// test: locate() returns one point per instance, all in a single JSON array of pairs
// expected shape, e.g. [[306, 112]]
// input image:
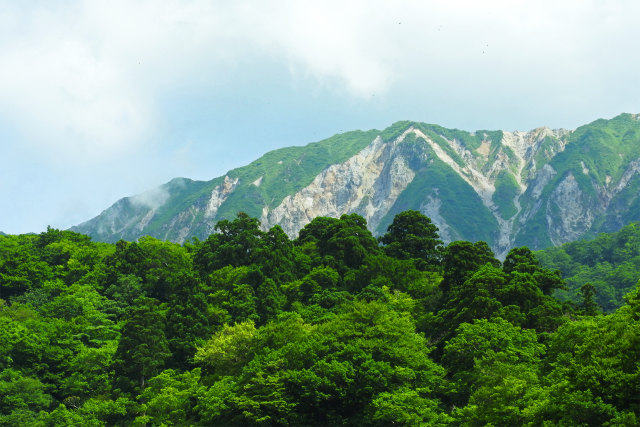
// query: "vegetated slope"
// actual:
[[610, 262], [591, 186], [183, 208], [539, 188]]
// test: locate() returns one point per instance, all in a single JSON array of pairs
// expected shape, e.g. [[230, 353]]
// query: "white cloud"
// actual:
[[333, 40], [151, 199], [62, 92], [86, 76]]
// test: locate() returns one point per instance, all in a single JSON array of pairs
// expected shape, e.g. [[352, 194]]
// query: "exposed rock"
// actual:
[[569, 211], [219, 195], [484, 148], [367, 183], [633, 169], [370, 182], [431, 208]]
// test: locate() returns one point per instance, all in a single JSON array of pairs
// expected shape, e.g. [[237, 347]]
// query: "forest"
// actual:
[[335, 327]]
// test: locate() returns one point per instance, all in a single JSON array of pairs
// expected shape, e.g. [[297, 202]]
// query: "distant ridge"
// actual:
[[538, 188]]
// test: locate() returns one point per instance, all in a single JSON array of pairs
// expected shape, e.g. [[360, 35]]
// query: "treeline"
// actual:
[[335, 327]]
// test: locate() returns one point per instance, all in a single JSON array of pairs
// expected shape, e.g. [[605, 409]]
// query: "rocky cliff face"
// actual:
[[368, 183], [538, 188]]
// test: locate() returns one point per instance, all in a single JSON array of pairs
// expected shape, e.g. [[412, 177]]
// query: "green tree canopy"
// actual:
[[143, 346], [461, 259], [413, 236]]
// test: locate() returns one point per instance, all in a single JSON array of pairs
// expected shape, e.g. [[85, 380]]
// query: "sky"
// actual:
[[101, 100]]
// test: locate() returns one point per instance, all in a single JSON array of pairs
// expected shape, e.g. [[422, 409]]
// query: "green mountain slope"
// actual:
[[593, 188], [538, 188], [280, 172]]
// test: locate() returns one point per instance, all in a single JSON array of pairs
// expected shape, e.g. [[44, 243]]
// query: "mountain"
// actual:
[[539, 188]]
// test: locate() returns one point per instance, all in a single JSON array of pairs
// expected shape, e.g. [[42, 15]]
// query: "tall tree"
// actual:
[[187, 322], [478, 346], [589, 306], [143, 346], [413, 236], [276, 256], [350, 243], [235, 243], [461, 259], [342, 244]]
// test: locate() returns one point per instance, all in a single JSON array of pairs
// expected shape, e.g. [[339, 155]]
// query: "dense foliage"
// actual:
[[609, 265], [249, 327]]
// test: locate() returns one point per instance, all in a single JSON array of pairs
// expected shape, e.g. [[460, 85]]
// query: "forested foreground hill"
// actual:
[[249, 327]]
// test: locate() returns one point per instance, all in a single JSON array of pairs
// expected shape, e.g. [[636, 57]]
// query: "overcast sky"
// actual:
[[101, 100]]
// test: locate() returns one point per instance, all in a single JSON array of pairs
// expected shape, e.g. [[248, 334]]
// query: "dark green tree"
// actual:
[[342, 244], [461, 259], [276, 256], [21, 268], [589, 306], [521, 260], [143, 347], [317, 231], [474, 299], [529, 287], [188, 323], [21, 397], [231, 294], [236, 243], [350, 243], [163, 267], [413, 236], [269, 300]]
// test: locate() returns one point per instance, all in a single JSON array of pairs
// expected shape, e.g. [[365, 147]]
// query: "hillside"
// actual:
[[539, 188], [610, 263]]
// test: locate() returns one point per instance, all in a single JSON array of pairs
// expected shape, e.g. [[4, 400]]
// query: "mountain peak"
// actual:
[[506, 188]]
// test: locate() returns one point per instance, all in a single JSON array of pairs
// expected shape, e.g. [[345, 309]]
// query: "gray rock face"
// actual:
[[368, 184], [570, 212]]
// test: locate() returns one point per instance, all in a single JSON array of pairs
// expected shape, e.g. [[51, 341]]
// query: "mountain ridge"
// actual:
[[537, 188]]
